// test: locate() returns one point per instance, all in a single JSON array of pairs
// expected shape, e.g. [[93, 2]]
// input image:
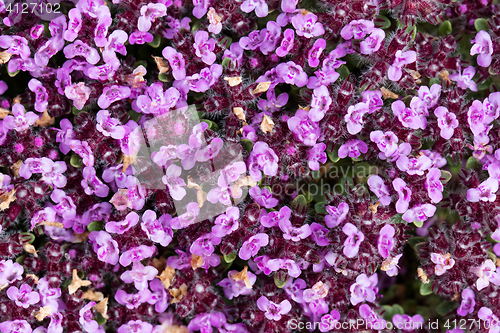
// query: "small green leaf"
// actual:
[[155, 43], [27, 237], [334, 155], [481, 24], [382, 22], [319, 207], [281, 278], [434, 81], [163, 77], [445, 176], [20, 259], [446, 307], [472, 163], [227, 62], [418, 223], [445, 28], [425, 289], [100, 319], [138, 63], [397, 309], [230, 257], [247, 144], [309, 197], [135, 116], [76, 161], [95, 226], [299, 202], [13, 74], [213, 126], [344, 72]]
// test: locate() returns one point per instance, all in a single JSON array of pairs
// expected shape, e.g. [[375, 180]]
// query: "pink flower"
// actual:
[[464, 80], [336, 215], [447, 122], [402, 58], [357, 29], [307, 25], [386, 240], [363, 289], [272, 310], [21, 120], [443, 263], [482, 46], [486, 273], [484, 192], [468, 303], [373, 42], [353, 149], [353, 241], [420, 213], [252, 245]]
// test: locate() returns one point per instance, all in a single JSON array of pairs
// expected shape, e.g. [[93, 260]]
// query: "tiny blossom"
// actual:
[[176, 61], [106, 248], [402, 58], [140, 37], [353, 241], [407, 323], [92, 184], [210, 151], [290, 265], [260, 7], [390, 265], [373, 98], [132, 301], [174, 182], [273, 311], [404, 194], [381, 190], [419, 213], [272, 219], [363, 289], [79, 93], [23, 296], [205, 321], [226, 223], [353, 149], [87, 318], [111, 95], [135, 326], [157, 230], [468, 303], [464, 79], [295, 289], [320, 103], [319, 290], [41, 95], [252, 245], [136, 254], [447, 122], [234, 288], [159, 297], [373, 42], [484, 192], [287, 43], [263, 197], [204, 47], [408, 116], [65, 206], [414, 166], [482, 46], [315, 52], [491, 320], [443, 263], [79, 48], [292, 233], [139, 275], [204, 245], [486, 273], [305, 130], [262, 158], [430, 96], [336, 215], [316, 155], [319, 234], [16, 326], [200, 9], [387, 142], [186, 219], [357, 29], [354, 117], [35, 165], [21, 120], [149, 13], [386, 240], [434, 185], [329, 321], [292, 73], [15, 45]]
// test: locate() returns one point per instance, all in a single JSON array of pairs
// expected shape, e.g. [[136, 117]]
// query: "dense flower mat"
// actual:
[[249, 166]]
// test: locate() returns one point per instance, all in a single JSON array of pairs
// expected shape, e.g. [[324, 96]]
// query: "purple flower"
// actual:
[[363, 289], [204, 245], [387, 142], [35, 165], [15, 45], [319, 234], [468, 303], [140, 37], [260, 6], [210, 151], [373, 42], [386, 240], [307, 25], [272, 219], [290, 265], [408, 116], [329, 321], [482, 46], [484, 192], [215, 25], [272, 310], [138, 326], [402, 58], [353, 240], [78, 93], [111, 95], [304, 129], [419, 213], [292, 73], [491, 320], [434, 185], [82, 148], [149, 13], [464, 80], [136, 254], [373, 98], [430, 96], [316, 155], [447, 122], [186, 219], [74, 25], [65, 206], [132, 301], [81, 49], [318, 291], [295, 289], [16, 326], [353, 149], [407, 323], [105, 246], [486, 273], [176, 61], [292, 233], [204, 47], [315, 52], [200, 9], [390, 265], [47, 214], [139, 275], [262, 158], [159, 231], [121, 227], [357, 29], [370, 317], [104, 20], [414, 165], [252, 245], [263, 197], [336, 215], [234, 288], [271, 37], [21, 120], [320, 103], [87, 318], [404, 193], [476, 118], [226, 223], [92, 184], [253, 41], [174, 182], [205, 321], [109, 126], [354, 117], [443, 263], [286, 43], [41, 94], [115, 43], [23, 296], [235, 53], [155, 101]]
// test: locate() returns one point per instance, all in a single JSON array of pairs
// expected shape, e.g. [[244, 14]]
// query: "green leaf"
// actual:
[[163, 77], [76, 160], [309, 197], [100, 319], [418, 223], [230, 257], [446, 307], [95, 226], [247, 144], [227, 62], [281, 278], [27, 237], [155, 43], [434, 81], [344, 72], [397, 309], [20, 259], [13, 74], [135, 116], [144, 63], [425, 289], [445, 28], [472, 163], [300, 201], [445, 176], [319, 207], [382, 22], [334, 155], [481, 24], [213, 126]]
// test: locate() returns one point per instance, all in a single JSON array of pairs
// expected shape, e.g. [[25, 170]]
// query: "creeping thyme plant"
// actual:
[[175, 166]]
